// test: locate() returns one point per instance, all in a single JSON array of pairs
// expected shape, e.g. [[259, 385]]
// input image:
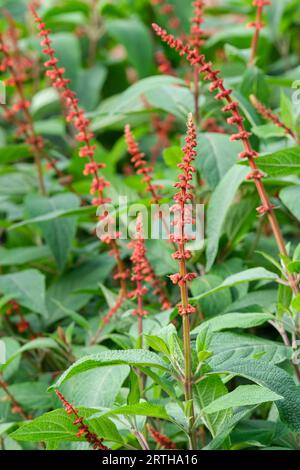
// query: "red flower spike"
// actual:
[[197, 33], [83, 429], [162, 440], [139, 163], [17, 66], [183, 216], [77, 117], [139, 274], [270, 116]]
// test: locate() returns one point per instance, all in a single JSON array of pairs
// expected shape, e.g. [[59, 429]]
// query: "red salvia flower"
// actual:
[[217, 83], [139, 269], [76, 116], [183, 217], [17, 68], [162, 440], [140, 165], [83, 429], [197, 33], [270, 116]]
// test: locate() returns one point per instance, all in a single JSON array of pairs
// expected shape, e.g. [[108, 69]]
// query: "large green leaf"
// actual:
[[244, 395], [216, 155], [58, 426], [234, 320], [11, 153], [137, 409], [132, 357], [240, 346], [22, 255], [281, 163], [253, 274], [97, 387], [58, 233], [219, 205], [27, 288], [205, 392], [135, 37], [271, 377], [290, 197], [129, 100]]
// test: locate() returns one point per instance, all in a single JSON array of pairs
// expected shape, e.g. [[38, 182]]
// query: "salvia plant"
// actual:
[[150, 254]]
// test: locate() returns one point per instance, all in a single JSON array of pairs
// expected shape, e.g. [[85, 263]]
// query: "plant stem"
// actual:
[[188, 382], [255, 38], [196, 96]]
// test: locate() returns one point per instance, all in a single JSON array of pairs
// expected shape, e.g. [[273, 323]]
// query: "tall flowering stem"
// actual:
[[16, 66], [141, 167], [270, 116], [182, 217], [257, 25], [83, 429], [76, 116], [139, 274], [217, 83], [196, 40]]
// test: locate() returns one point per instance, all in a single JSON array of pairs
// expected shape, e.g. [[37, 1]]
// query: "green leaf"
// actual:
[[253, 274], [67, 50], [227, 428], [206, 391], [19, 256], [218, 207], [244, 395], [234, 320], [268, 131], [216, 303], [132, 357], [12, 153], [138, 409], [240, 346], [172, 156], [135, 37], [68, 289], [58, 426], [134, 389], [129, 100], [97, 387], [216, 155], [271, 377], [38, 343], [27, 288], [58, 233], [290, 197], [296, 303], [281, 163]]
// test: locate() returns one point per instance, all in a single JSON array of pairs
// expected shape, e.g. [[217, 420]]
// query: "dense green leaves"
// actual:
[[268, 376]]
